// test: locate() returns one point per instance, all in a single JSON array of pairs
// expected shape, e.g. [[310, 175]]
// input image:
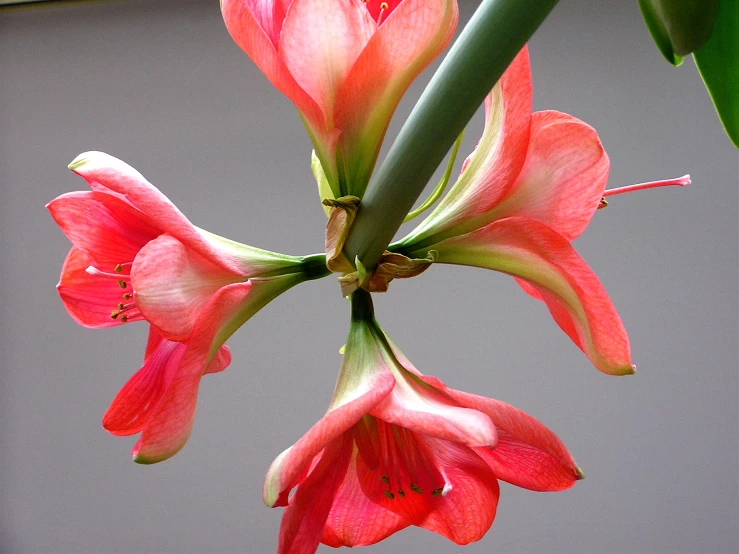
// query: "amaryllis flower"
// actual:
[[397, 448], [136, 257], [530, 187], [345, 65]]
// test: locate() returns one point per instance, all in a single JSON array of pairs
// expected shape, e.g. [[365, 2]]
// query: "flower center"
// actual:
[[400, 460], [124, 311]]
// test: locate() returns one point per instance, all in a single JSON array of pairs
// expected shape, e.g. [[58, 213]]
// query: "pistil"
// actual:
[[676, 182]]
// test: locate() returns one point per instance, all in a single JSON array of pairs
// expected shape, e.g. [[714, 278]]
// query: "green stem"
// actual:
[[441, 186], [362, 307], [487, 45]]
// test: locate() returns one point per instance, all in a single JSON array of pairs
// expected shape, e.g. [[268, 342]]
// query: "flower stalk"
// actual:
[[487, 45]]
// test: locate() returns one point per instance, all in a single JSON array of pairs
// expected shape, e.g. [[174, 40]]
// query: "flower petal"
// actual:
[[355, 520], [89, 299], [418, 404], [109, 229], [304, 518], [532, 251], [172, 284], [170, 422], [410, 37], [119, 177], [493, 167], [255, 32], [563, 179], [290, 463], [320, 43], [528, 454], [464, 512], [129, 411]]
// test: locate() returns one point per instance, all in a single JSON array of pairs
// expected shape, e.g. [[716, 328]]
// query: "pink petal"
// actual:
[[110, 230], [254, 30], [564, 176], [122, 179], [320, 43], [416, 406], [220, 361], [288, 465], [130, 410], [528, 454], [414, 33], [270, 15], [532, 251], [170, 422], [465, 512], [493, 167], [304, 519], [355, 520], [89, 299], [172, 284]]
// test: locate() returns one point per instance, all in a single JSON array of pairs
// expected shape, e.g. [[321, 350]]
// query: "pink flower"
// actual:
[[397, 448], [530, 187], [135, 257], [345, 64]]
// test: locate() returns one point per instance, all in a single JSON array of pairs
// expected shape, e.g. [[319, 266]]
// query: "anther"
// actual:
[[415, 488], [121, 284], [118, 268], [602, 204], [384, 6], [114, 314], [383, 10], [123, 319], [437, 492], [120, 305], [389, 494], [384, 479], [127, 296], [401, 493]]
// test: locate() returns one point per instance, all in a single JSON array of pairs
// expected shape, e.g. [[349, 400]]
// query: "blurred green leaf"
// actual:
[[679, 27], [718, 64]]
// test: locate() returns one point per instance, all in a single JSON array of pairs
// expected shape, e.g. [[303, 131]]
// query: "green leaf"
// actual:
[[679, 27], [718, 64]]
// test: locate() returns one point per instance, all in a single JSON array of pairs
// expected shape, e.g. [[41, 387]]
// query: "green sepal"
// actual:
[[718, 64], [324, 188], [679, 27]]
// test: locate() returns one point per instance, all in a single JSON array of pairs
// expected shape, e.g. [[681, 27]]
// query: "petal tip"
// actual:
[[579, 475], [80, 160]]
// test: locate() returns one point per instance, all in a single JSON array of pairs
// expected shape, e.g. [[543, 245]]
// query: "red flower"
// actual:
[[530, 187], [135, 257], [345, 64], [397, 448]]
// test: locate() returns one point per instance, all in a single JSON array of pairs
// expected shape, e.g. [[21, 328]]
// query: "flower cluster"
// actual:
[[396, 448]]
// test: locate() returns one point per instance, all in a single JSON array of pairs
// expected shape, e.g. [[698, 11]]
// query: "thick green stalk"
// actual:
[[487, 45]]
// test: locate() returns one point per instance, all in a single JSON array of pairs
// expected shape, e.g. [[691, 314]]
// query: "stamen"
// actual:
[[127, 296], [676, 182], [121, 283], [603, 204], [119, 267], [401, 493], [437, 492], [124, 318], [384, 479], [415, 488], [389, 494], [383, 10], [114, 314]]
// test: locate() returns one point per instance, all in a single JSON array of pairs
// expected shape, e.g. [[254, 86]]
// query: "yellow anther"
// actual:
[[120, 305], [389, 494], [122, 284], [124, 318], [114, 314], [603, 203], [384, 479], [401, 493], [127, 296], [118, 268], [384, 6], [415, 488]]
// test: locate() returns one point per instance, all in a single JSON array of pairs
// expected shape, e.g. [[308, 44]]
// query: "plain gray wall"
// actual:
[[161, 85]]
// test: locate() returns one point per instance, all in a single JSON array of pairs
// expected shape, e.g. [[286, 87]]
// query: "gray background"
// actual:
[[161, 85]]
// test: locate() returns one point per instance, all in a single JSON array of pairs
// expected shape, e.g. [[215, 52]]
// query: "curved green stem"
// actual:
[[441, 185]]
